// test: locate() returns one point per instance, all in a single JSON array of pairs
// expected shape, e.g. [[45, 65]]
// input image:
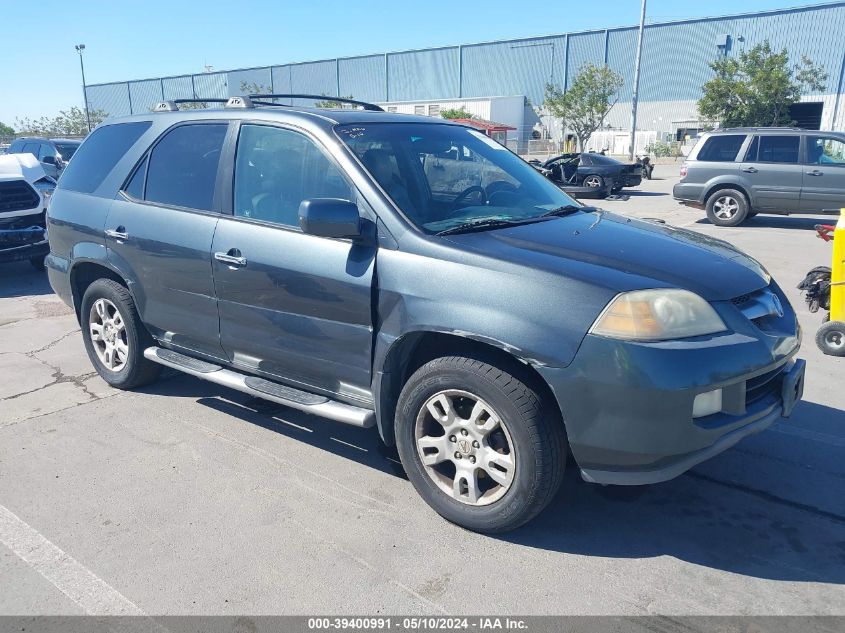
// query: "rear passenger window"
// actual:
[[98, 155], [276, 169], [778, 149], [721, 148], [135, 187], [183, 166]]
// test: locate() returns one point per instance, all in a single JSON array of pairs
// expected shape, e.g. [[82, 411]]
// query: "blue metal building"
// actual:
[[675, 60]]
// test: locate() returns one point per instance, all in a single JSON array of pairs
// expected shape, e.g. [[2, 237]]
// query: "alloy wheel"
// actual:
[[108, 334], [725, 207], [465, 447], [592, 181]]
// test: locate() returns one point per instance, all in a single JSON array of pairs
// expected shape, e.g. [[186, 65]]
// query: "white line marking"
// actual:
[[93, 594]]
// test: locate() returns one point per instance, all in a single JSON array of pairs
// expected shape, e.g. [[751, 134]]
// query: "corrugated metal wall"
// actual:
[[674, 66]]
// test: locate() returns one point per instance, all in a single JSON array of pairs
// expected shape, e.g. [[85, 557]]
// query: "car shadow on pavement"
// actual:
[[635, 193], [20, 279], [724, 521], [803, 222], [770, 507], [361, 445]]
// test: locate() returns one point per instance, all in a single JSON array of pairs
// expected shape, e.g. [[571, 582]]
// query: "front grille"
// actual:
[[22, 221], [763, 385], [17, 195], [738, 301]]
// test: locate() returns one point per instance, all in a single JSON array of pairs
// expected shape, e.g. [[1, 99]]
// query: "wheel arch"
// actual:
[[727, 185], [85, 272], [412, 350]]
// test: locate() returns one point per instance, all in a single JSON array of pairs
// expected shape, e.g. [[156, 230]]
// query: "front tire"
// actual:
[[727, 207], [479, 444], [830, 338], [114, 336]]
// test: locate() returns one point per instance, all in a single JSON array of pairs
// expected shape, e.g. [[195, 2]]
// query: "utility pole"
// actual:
[[636, 85], [79, 49]]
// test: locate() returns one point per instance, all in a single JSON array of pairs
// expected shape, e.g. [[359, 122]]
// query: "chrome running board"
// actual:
[[261, 388]]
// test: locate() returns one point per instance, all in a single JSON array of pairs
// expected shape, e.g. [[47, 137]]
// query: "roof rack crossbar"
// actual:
[[363, 104], [200, 100]]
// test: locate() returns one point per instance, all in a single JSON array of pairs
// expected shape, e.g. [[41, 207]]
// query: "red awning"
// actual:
[[485, 125]]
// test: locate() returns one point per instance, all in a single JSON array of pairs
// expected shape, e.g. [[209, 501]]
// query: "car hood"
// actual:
[[624, 254], [17, 166]]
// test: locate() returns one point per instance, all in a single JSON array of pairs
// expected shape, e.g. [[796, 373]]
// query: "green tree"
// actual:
[[455, 113], [254, 88], [72, 122], [329, 103], [585, 104], [757, 87], [5, 130]]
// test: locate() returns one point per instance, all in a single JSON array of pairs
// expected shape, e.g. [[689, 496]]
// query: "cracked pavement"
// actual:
[[186, 498]]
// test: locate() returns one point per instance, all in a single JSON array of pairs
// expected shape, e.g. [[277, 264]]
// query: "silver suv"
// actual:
[[737, 173]]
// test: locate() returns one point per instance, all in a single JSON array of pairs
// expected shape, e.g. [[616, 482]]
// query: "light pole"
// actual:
[[79, 49], [636, 85]]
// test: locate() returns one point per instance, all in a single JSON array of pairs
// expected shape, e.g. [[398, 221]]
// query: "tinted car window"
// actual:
[[823, 150], [778, 149], [31, 148], [67, 149], [183, 166], [751, 154], [276, 169], [98, 155], [135, 187], [600, 159], [45, 151], [721, 148], [16, 147]]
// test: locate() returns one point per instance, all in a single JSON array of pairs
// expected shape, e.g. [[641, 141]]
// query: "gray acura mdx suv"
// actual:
[[737, 173], [412, 274]]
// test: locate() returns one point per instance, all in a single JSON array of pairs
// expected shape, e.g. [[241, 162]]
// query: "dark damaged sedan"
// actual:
[[597, 171], [412, 274]]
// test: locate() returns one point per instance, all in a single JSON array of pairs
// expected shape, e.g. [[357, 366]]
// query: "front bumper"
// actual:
[[628, 407], [25, 251]]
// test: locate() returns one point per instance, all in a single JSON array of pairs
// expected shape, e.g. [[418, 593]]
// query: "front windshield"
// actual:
[[442, 176]]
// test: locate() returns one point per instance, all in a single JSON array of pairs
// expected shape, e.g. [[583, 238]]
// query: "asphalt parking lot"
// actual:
[[184, 498]]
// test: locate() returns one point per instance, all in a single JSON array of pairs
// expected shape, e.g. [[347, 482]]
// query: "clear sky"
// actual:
[[39, 68]]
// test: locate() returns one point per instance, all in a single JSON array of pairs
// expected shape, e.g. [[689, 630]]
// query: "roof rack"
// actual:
[[363, 104], [231, 102]]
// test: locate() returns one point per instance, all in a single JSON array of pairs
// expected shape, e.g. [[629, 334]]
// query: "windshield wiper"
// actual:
[[568, 209], [486, 223]]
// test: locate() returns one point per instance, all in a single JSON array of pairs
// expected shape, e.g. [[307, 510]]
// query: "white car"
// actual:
[[24, 192]]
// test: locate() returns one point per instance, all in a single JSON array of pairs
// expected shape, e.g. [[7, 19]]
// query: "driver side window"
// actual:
[[276, 169]]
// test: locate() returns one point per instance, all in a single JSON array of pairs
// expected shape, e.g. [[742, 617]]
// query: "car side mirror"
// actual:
[[49, 160], [330, 217]]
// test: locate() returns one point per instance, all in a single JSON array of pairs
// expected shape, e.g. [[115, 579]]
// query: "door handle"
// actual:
[[119, 233], [815, 172], [749, 170], [232, 257]]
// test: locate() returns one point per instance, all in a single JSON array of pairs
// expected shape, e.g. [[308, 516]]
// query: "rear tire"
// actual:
[[593, 180], [727, 207], [463, 406], [831, 338], [114, 336]]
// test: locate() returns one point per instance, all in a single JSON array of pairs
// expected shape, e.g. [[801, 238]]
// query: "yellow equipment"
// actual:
[[831, 335]]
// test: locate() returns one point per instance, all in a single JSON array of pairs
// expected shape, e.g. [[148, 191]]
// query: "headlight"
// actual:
[[657, 315]]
